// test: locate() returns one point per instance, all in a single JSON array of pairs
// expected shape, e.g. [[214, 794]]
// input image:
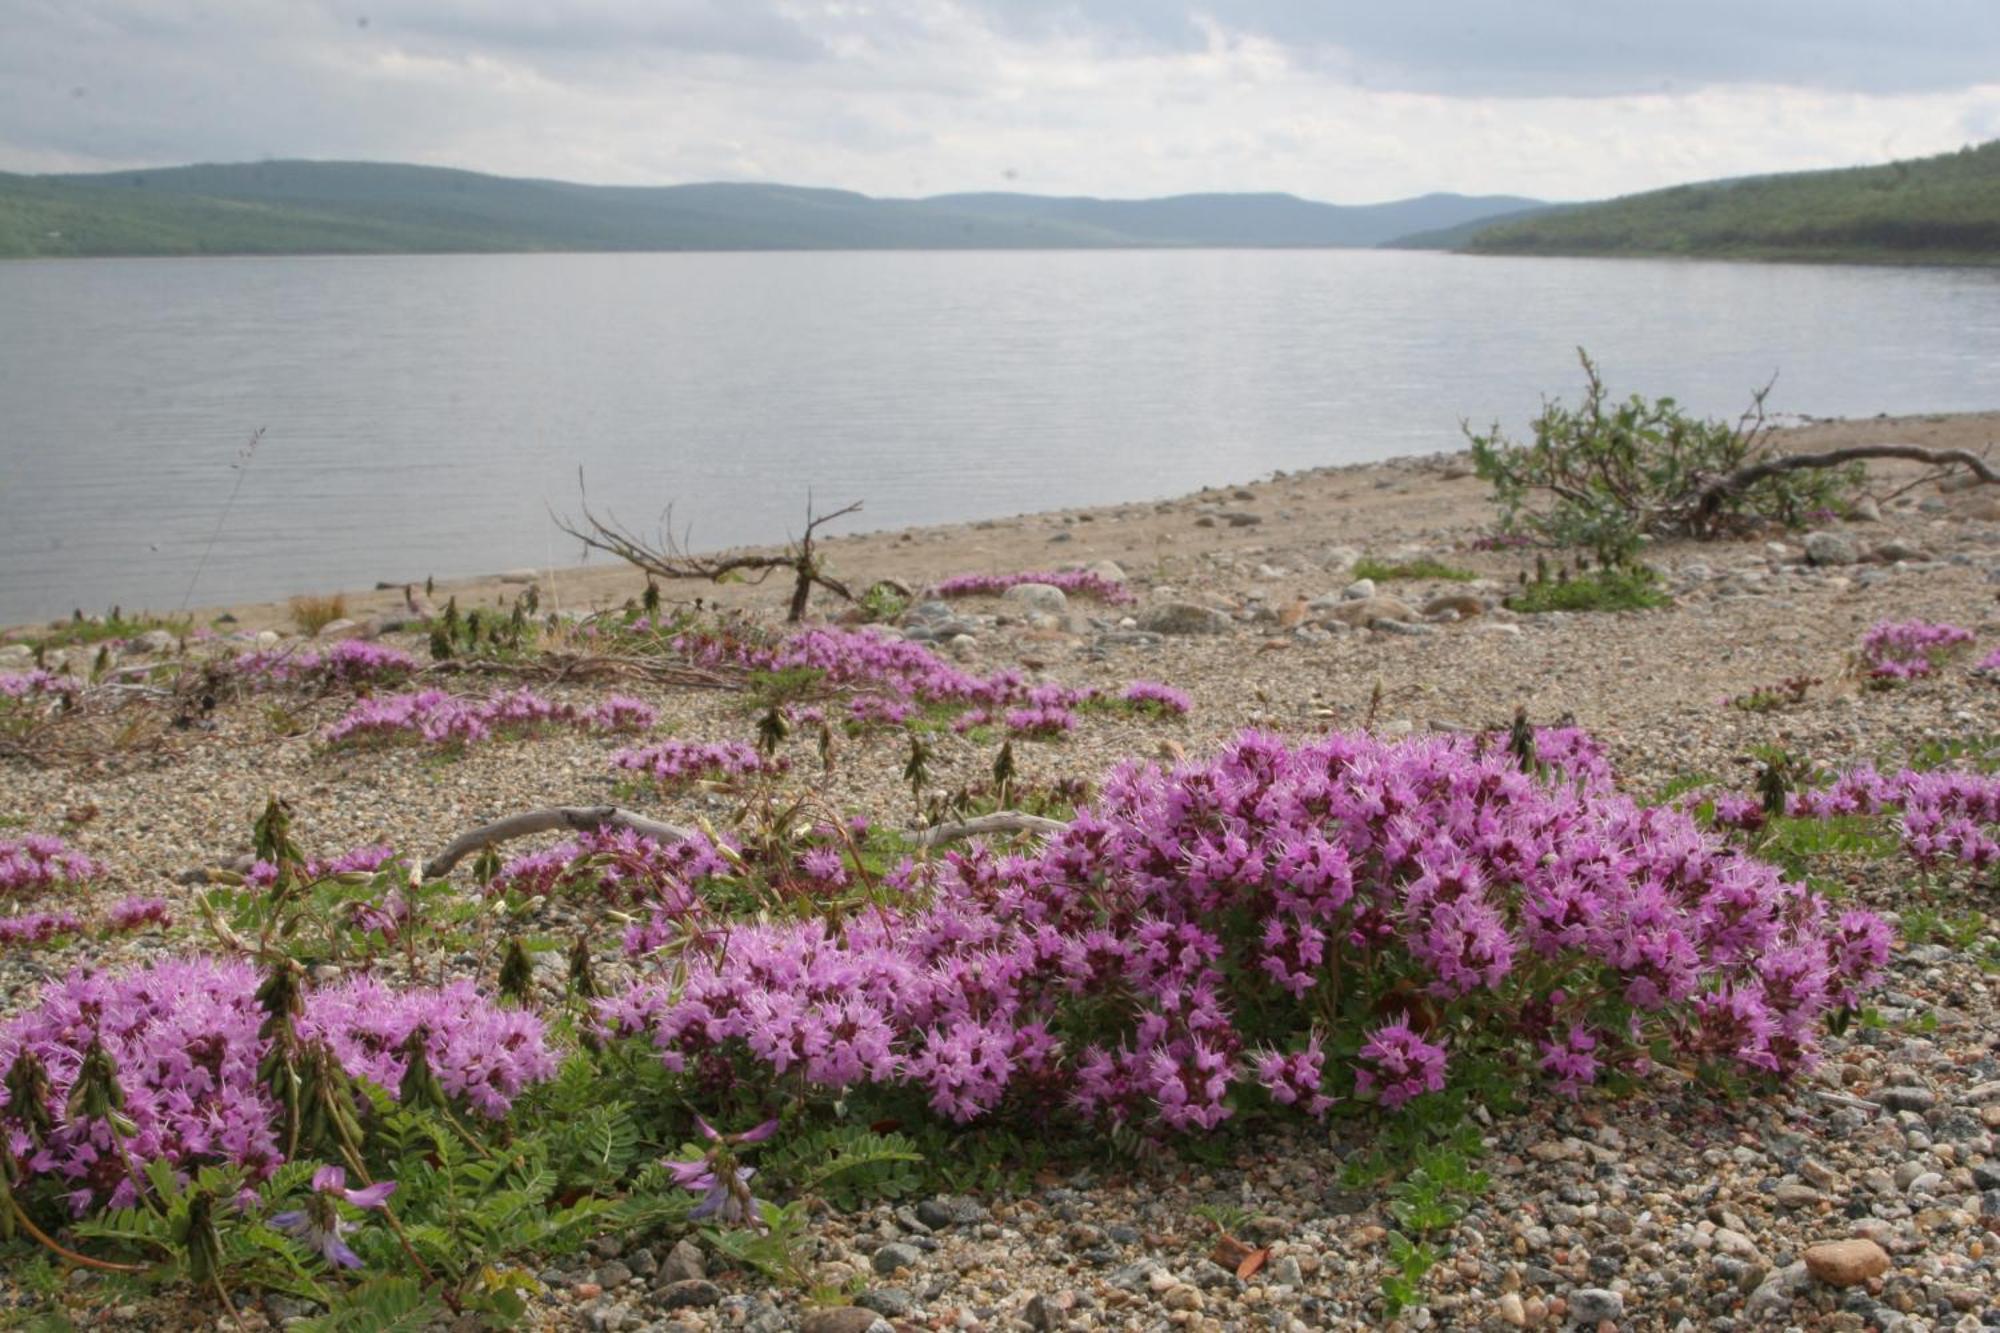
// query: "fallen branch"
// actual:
[[574, 818], [1004, 821], [1710, 497]]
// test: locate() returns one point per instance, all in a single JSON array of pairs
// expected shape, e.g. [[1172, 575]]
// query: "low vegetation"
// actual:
[[1425, 567]]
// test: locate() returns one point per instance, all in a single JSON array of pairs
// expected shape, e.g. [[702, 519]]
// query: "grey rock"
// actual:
[[1865, 510], [1906, 1098], [1038, 598], [1411, 628], [1357, 590], [950, 1210], [889, 1302], [693, 1293], [1185, 618], [1133, 1276], [613, 1274], [894, 1257], [683, 1263], [1239, 519], [1831, 548], [1591, 1306]]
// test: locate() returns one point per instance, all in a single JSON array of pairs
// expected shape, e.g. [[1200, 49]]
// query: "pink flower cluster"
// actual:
[[28, 928], [1076, 582], [621, 713], [24, 684], [1152, 696], [349, 662], [437, 718], [183, 1035], [39, 862], [1170, 947], [621, 865], [676, 762], [1048, 712], [1908, 649], [1941, 816], [132, 914]]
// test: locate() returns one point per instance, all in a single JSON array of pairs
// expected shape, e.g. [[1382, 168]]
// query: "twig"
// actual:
[[1003, 821], [574, 818], [242, 466]]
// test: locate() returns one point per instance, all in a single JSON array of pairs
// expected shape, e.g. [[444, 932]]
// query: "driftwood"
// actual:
[[1711, 497], [669, 558], [574, 818], [1004, 821]]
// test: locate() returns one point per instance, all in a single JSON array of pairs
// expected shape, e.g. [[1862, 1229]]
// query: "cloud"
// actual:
[[1119, 97]]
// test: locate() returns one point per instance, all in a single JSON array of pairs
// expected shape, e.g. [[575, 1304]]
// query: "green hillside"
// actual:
[[1934, 210], [360, 207]]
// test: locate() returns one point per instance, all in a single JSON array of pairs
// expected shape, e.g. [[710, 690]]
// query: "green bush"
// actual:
[[1632, 588], [1424, 568], [1605, 476]]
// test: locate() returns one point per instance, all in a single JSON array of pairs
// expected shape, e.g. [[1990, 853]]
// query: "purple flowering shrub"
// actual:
[[1909, 649], [25, 929], [37, 684], [676, 763], [891, 680], [185, 1039], [40, 862], [1075, 582], [437, 718], [350, 662], [1232, 928], [1941, 817]]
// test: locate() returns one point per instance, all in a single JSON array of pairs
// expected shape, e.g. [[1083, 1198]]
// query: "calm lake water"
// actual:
[[421, 414]]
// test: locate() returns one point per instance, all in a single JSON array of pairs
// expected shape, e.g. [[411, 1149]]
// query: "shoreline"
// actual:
[[1418, 503], [1676, 1207]]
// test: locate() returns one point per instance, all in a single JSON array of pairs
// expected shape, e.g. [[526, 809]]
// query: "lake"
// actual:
[[422, 414]]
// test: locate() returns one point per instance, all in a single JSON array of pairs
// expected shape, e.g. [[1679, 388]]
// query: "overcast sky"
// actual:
[[1344, 100]]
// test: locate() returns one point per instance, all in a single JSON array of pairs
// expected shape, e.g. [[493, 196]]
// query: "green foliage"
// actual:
[[80, 630], [1424, 568], [1943, 209], [767, 690], [1630, 589], [882, 603], [849, 1166], [389, 1304], [1978, 753], [1402, 1287], [1604, 476], [777, 1248]]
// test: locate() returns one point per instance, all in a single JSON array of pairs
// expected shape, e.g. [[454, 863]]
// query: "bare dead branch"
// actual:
[[669, 558], [574, 818], [1710, 498], [1004, 821]]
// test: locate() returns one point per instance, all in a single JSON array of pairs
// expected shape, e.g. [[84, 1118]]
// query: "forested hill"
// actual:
[[1933, 210], [357, 207]]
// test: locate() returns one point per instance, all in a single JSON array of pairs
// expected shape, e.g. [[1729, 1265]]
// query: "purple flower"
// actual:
[[320, 1225]]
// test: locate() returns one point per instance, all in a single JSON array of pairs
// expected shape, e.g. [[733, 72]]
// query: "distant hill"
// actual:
[[360, 207], [1456, 236], [1933, 210]]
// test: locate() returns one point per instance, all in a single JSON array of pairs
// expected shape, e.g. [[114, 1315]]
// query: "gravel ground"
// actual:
[[1671, 1209]]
